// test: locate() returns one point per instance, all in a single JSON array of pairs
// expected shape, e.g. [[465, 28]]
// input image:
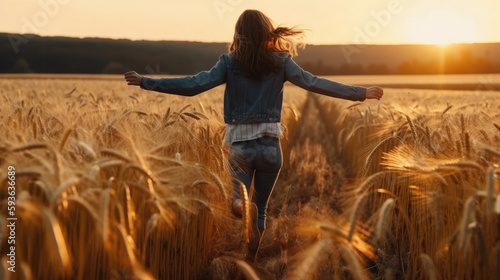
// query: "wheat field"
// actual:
[[113, 182]]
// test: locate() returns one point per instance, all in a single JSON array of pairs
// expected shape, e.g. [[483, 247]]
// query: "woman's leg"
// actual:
[[267, 168], [264, 156], [241, 156], [242, 160]]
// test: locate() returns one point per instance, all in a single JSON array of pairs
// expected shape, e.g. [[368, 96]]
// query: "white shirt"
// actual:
[[251, 131]]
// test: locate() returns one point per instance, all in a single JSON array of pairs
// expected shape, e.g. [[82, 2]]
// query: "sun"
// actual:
[[442, 27]]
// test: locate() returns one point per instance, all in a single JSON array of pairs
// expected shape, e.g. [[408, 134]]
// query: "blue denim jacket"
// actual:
[[250, 101]]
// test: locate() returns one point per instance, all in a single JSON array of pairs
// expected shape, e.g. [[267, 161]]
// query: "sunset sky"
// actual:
[[329, 21]]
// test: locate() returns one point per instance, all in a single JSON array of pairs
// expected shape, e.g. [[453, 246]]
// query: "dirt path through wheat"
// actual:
[[310, 181]]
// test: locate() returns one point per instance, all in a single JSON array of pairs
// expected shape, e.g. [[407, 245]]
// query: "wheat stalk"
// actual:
[[369, 158], [485, 135], [56, 237], [367, 115], [200, 115], [462, 125], [429, 140], [33, 126], [129, 245], [467, 143], [461, 164], [340, 141], [383, 220], [333, 230], [110, 164], [104, 213], [448, 133], [32, 146], [219, 184], [87, 150], [62, 188], [152, 223], [166, 116], [490, 189], [141, 170], [246, 218], [459, 147], [354, 130], [413, 129], [313, 258], [353, 263], [194, 116], [356, 212], [469, 205], [247, 270], [492, 151], [66, 136], [369, 182], [58, 168], [116, 154], [200, 182], [129, 209], [446, 110], [184, 108], [40, 123], [86, 205], [496, 126], [481, 241]]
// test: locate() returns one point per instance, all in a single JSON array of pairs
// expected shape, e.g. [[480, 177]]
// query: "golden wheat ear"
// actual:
[[353, 264], [247, 270], [383, 219], [311, 260], [245, 215], [354, 217]]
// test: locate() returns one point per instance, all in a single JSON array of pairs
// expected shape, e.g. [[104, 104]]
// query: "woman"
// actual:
[[259, 62]]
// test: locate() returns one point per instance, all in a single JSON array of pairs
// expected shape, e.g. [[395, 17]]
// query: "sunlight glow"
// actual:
[[442, 27], [326, 22]]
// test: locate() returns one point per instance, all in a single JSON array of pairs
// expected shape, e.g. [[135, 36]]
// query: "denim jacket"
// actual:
[[251, 101]]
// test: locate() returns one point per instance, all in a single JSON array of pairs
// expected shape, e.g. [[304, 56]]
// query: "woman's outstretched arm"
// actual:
[[186, 86], [308, 81]]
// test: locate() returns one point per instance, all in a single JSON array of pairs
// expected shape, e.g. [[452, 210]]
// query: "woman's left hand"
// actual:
[[133, 79]]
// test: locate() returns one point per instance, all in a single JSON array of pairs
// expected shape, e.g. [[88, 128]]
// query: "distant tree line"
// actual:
[[96, 55], [465, 63]]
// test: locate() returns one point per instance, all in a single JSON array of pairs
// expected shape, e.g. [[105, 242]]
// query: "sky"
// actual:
[[327, 21]]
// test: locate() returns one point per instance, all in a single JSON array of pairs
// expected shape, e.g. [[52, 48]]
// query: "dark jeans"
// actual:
[[260, 159]]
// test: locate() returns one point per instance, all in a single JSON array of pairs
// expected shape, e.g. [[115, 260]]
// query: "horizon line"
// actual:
[[228, 42]]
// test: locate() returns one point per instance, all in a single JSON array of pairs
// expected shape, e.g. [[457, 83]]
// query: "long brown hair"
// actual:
[[255, 40]]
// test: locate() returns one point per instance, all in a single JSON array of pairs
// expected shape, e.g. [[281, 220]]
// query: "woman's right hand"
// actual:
[[374, 92]]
